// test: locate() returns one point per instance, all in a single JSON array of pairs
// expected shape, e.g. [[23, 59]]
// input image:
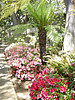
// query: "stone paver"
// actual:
[[7, 91]]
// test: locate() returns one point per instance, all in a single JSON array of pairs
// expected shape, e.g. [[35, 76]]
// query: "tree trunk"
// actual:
[[69, 38], [15, 20], [42, 44]]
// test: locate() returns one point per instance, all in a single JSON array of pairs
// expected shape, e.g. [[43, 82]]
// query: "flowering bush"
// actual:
[[24, 61], [47, 86]]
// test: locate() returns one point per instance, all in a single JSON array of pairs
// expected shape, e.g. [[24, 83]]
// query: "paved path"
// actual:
[[7, 91]]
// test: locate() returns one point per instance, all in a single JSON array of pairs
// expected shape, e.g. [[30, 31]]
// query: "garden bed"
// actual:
[[32, 79]]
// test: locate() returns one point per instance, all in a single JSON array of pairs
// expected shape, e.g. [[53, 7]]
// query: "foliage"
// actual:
[[63, 64], [24, 61], [52, 50], [18, 33], [47, 86], [71, 72], [20, 28], [8, 7], [55, 33], [42, 15], [23, 33]]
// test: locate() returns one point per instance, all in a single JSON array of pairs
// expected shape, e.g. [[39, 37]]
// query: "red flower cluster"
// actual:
[[48, 87]]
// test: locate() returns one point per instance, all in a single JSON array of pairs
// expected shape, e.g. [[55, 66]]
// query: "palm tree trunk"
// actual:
[[42, 44]]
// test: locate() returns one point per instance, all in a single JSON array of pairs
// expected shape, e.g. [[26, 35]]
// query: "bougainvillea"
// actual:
[[24, 61], [47, 86]]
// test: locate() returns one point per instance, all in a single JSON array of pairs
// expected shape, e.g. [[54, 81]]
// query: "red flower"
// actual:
[[51, 96], [56, 99], [52, 90], [72, 94], [62, 89]]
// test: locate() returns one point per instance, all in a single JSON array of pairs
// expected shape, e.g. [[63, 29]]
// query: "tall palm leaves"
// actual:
[[42, 14]]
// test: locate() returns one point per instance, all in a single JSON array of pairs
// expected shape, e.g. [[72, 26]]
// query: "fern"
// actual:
[[42, 15], [54, 33], [20, 28]]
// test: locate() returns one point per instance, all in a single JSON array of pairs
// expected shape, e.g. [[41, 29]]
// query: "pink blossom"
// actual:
[[51, 96], [62, 89], [72, 94], [56, 99], [44, 94], [71, 64], [52, 90]]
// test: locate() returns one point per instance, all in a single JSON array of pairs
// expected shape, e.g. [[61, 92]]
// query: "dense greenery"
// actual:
[[54, 80]]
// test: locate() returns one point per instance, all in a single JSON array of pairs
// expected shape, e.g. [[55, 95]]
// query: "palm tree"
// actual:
[[42, 16]]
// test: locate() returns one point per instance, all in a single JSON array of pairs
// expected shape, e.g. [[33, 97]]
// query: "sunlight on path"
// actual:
[[7, 91]]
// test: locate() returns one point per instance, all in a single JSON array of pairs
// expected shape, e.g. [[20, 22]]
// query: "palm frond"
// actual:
[[54, 33], [32, 12], [41, 15], [20, 28]]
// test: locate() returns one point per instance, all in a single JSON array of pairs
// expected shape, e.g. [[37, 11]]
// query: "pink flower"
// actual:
[[62, 89], [41, 83], [51, 96], [51, 83], [71, 64], [56, 99], [34, 98], [57, 85], [71, 74], [52, 90], [68, 83], [44, 94], [56, 94], [72, 94], [56, 80], [45, 71], [49, 70], [46, 78], [42, 98], [36, 76]]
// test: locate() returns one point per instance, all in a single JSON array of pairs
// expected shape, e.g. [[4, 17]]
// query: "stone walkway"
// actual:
[[7, 91]]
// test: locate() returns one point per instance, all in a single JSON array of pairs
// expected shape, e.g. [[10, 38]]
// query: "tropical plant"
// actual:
[[42, 16]]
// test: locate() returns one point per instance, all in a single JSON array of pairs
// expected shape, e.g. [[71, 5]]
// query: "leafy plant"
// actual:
[[52, 50]]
